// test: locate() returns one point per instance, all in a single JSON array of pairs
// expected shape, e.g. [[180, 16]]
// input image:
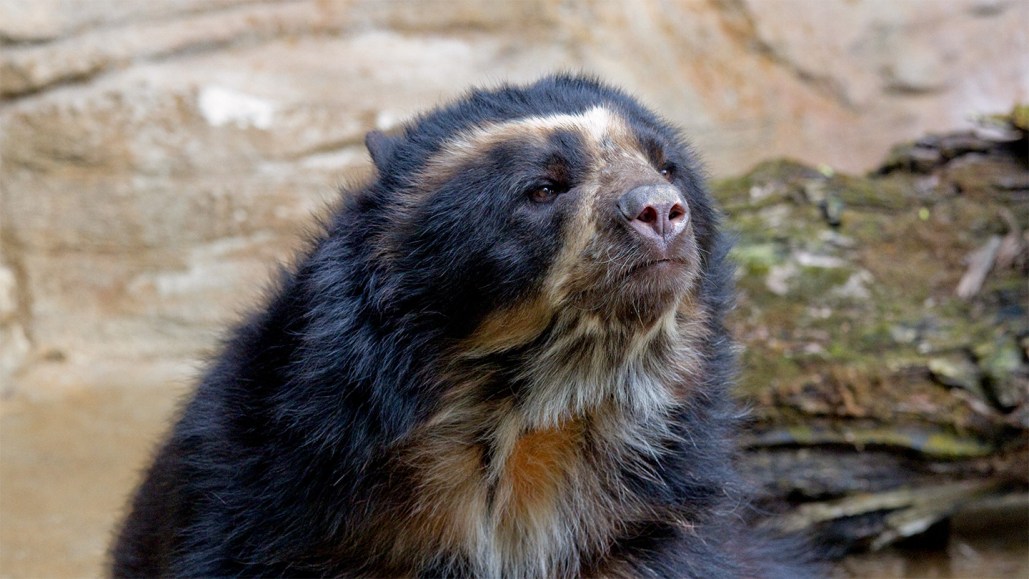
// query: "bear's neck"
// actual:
[[518, 466]]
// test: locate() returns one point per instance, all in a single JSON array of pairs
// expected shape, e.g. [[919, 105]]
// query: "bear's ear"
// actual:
[[381, 148]]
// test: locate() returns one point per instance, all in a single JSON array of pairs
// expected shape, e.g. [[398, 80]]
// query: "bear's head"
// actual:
[[513, 208]]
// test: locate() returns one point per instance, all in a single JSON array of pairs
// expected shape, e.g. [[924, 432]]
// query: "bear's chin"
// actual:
[[651, 291]]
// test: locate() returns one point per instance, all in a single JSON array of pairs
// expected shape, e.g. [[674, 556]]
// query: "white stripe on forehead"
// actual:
[[598, 125], [595, 123]]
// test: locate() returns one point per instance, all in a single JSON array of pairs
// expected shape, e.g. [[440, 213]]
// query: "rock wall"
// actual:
[[158, 158]]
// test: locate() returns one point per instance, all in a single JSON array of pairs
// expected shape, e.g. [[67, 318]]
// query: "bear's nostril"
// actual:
[[648, 215], [676, 212]]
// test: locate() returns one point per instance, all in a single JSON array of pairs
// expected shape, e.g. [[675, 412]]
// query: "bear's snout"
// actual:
[[656, 212]]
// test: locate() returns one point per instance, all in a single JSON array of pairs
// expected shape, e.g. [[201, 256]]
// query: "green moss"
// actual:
[[818, 351], [927, 441], [884, 194], [778, 179], [756, 259], [1019, 116], [815, 283]]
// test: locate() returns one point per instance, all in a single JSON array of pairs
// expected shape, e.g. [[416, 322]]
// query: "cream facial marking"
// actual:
[[603, 131]]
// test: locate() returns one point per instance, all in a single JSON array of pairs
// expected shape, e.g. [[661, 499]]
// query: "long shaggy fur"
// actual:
[[478, 370]]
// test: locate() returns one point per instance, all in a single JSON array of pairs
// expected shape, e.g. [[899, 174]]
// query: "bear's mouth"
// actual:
[[666, 265]]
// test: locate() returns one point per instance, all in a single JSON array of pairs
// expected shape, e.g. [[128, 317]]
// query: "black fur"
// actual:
[[287, 449]]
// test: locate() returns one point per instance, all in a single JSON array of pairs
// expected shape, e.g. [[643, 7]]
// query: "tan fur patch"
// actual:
[[450, 499], [508, 328]]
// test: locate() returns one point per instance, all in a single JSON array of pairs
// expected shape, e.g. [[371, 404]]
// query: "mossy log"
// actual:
[[885, 333]]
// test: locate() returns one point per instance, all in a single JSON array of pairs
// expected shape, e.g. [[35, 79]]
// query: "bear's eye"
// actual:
[[667, 171], [544, 193]]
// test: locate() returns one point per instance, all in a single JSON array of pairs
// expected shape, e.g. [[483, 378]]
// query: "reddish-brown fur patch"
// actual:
[[538, 465]]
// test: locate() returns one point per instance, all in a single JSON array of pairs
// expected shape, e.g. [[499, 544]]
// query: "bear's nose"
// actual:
[[657, 212]]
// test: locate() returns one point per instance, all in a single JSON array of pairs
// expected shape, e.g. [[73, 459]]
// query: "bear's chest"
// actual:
[[512, 502]]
